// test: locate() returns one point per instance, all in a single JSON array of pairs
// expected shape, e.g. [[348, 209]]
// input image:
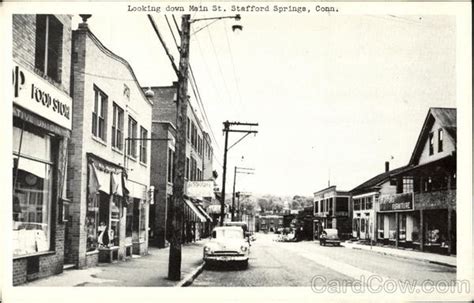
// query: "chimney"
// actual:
[[387, 166]]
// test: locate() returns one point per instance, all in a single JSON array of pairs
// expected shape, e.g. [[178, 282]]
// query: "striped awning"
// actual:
[[195, 210]]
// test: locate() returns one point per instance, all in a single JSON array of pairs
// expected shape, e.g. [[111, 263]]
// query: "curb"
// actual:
[[188, 280], [400, 256]]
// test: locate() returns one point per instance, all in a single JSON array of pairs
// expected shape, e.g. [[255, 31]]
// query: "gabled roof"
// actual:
[[446, 117], [377, 180]]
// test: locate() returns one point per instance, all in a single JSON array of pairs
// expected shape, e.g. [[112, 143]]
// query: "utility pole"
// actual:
[[249, 172], [176, 205], [227, 130]]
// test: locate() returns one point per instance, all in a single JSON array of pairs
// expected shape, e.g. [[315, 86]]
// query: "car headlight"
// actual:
[[243, 248], [207, 249]]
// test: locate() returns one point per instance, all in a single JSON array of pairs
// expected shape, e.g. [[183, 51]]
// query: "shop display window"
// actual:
[[32, 191]]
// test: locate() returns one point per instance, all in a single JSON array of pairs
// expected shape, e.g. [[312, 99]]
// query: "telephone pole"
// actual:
[[244, 170], [227, 129], [176, 205]]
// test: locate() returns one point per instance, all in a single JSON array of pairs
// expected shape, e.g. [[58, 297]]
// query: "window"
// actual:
[[188, 129], [356, 204], [369, 202], [49, 45], [316, 207], [440, 140], [170, 165], [132, 135], [117, 127], [32, 191], [129, 221], [99, 114], [342, 204], [187, 168], [143, 144], [431, 143], [407, 184]]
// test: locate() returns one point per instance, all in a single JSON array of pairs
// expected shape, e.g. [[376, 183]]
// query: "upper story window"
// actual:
[[407, 184], [188, 129], [342, 204], [99, 114], [369, 202], [431, 142], [187, 168], [357, 204], [440, 140], [143, 144], [117, 127], [49, 45], [132, 136]]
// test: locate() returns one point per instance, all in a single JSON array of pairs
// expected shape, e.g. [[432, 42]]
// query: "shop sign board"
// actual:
[[37, 95], [396, 202], [200, 189]]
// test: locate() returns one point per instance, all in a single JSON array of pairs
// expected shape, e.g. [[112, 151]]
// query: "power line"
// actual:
[[233, 67], [196, 91], [199, 99], [220, 68]]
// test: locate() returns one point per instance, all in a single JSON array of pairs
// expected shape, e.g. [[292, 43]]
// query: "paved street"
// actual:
[[295, 264]]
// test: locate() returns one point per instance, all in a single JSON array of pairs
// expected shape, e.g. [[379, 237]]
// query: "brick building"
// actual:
[[109, 156], [332, 209], [42, 113], [199, 155]]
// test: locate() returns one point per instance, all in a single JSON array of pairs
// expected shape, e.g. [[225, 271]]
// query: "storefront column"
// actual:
[[422, 231], [449, 230], [376, 227], [397, 228]]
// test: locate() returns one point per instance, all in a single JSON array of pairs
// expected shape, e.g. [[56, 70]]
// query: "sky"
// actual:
[[335, 96]]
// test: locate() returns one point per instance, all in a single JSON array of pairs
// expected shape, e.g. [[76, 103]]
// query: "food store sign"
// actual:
[[35, 94], [397, 202]]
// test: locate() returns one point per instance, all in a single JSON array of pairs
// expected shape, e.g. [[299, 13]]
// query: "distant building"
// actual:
[[332, 209], [270, 223]]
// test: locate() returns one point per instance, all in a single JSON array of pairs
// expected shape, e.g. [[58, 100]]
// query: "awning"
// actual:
[[98, 180], [204, 212], [117, 184], [195, 210]]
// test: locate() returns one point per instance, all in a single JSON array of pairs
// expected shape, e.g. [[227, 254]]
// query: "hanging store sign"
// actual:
[[396, 202], [200, 189], [37, 95]]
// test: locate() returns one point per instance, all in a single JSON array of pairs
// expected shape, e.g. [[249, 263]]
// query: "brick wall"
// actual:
[[24, 45], [91, 60]]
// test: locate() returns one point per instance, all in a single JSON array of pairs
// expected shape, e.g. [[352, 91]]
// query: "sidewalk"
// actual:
[[150, 270], [409, 254]]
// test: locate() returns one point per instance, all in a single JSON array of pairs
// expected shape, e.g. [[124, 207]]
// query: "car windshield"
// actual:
[[229, 233], [331, 232]]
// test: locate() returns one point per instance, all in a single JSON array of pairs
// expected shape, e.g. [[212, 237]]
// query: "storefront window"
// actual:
[[92, 218], [402, 226], [32, 185], [142, 221]]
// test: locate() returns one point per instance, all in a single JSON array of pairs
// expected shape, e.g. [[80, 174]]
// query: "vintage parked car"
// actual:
[[329, 236], [227, 244]]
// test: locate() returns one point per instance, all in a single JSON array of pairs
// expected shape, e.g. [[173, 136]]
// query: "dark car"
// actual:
[[329, 236]]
